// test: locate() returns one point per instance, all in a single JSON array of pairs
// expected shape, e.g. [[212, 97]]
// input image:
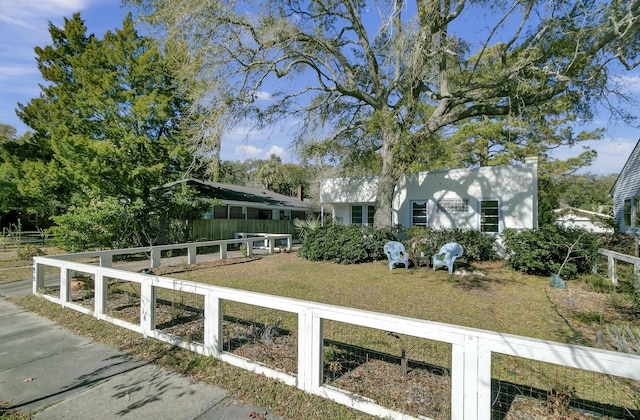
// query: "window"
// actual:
[[356, 215], [371, 211], [636, 212], [453, 205], [490, 216], [419, 213], [626, 212]]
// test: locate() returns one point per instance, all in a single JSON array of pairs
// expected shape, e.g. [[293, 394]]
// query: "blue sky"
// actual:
[[24, 25]]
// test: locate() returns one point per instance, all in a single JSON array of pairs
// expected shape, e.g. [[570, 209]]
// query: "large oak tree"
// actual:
[[383, 81]]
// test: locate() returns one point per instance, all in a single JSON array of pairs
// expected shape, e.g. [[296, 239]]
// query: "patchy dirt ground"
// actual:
[[589, 313]]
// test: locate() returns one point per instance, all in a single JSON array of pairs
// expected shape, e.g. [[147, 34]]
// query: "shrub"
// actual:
[[29, 251], [107, 223], [352, 244], [477, 245], [551, 249]]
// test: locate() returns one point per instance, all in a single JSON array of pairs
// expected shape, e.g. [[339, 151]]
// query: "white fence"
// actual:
[[471, 349], [612, 257]]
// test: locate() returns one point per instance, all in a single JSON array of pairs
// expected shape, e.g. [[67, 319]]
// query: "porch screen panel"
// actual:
[[253, 213], [235, 212], [419, 213], [298, 215], [220, 212], [489, 216]]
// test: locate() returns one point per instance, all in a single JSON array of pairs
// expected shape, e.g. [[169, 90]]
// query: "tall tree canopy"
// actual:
[[106, 123], [383, 81]]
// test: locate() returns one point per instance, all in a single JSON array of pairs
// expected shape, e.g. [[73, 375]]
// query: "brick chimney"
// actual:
[[299, 194]]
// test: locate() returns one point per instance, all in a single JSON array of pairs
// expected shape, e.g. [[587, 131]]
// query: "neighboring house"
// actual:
[[489, 199], [626, 195], [239, 202], [571, 217]]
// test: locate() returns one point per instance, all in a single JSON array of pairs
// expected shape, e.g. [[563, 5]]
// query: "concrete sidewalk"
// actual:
[[55, 374]]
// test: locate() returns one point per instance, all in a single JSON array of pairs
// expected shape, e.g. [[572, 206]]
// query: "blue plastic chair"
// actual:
[[447, 256], [397, 254]]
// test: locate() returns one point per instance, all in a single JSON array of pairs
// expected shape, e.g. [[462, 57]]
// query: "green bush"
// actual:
[[477, 245], [352, 244], [552, 249], [107, 223], [29, 251]]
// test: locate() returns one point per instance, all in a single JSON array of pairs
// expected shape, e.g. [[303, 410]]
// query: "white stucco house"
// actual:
[[489, 199]]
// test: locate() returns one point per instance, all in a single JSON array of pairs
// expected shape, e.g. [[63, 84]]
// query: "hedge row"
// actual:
[[544, 251]]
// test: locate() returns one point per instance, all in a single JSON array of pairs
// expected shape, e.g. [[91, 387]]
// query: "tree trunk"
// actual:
[[383, 217]]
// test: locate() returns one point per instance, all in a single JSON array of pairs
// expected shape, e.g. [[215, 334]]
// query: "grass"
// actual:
[[12, 268], [494, 298], [502, 301]]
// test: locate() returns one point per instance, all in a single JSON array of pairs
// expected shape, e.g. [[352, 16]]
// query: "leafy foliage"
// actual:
[[551, 249], [106, 124], [477, 245], [389, 92], [114, 223], [351, 244], [98, 224]]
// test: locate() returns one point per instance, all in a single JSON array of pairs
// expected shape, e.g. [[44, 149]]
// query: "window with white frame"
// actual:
[[490, 216], [356, 215], [636, 212], [453, 205], [419, 213], [371, 211]]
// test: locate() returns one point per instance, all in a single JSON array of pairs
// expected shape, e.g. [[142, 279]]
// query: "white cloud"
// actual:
[[10, 71], [263, 96], [249, 152], [33, 13], [276, 150]]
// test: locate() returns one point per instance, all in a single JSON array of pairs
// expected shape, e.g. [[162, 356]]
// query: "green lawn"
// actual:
[[503, 300]]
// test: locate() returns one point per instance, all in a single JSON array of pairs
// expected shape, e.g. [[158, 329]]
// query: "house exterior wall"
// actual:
[[451, 198], [627, 187]]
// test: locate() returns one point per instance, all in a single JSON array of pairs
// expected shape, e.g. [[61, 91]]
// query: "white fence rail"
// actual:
[[612, 257], [471, 349]]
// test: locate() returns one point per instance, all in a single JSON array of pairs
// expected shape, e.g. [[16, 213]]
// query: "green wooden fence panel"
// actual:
[[215, 229]]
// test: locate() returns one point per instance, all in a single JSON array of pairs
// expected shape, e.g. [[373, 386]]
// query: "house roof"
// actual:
[[241, 195], [586, 213], [634, 153]]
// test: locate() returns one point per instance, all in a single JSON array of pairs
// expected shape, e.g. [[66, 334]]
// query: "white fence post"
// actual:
[[310, 350], [192, 252], [38, 277], [212, 325], [156, 257], [223, 251], [470, 380], [100, 293], [106, 260], [457, 382], [147, 307], [612, 269], [65, 285]]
